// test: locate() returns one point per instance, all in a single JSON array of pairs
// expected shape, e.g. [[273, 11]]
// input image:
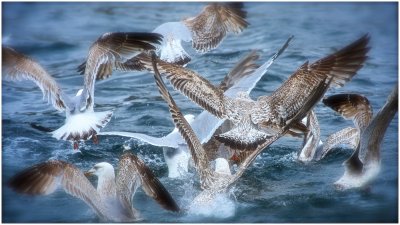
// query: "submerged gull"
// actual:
[[364, 164], [242, 78], [111, 200], [220, 179], [205, 31], [81, 123], [255, 121]]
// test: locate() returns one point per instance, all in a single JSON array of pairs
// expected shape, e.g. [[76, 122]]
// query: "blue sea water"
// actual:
[[276, 188]]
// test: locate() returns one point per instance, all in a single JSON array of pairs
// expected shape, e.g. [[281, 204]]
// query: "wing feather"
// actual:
[[17, 66], [314, 97], [373, 135], [191, 84], [243, 68], [45, 178], [341, 66], [214, 22], [351, 106], [348, 135], [133, 170], [196, 149], [111, 50]]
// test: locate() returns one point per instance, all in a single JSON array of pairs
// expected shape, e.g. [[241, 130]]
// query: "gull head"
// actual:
[[101, 169]]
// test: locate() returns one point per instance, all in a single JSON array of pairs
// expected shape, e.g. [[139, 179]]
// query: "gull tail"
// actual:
[[82, 126], [173, 52]]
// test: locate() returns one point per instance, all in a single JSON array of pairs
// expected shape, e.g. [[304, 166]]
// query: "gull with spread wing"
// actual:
[[112, 200], [220, 179], [81, 123], [255, 121], [243, 77]]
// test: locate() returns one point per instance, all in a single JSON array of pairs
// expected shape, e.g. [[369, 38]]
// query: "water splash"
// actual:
[[221, 207]]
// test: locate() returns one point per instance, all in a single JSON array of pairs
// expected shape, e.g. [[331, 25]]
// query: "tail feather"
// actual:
[[82, 126]]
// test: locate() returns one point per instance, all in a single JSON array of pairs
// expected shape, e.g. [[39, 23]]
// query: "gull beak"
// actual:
[[89, 173]]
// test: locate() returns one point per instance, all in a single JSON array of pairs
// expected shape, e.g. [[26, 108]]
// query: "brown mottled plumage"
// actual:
[[349, 136], [245, 67], [269, 113], [45, 178], [210, 180], [214, 22], [110, 51], [351, 106], [112, 200], [129, 167], [16, 66]]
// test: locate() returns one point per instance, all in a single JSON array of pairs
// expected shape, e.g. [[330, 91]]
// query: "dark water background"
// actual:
[[277, 188]]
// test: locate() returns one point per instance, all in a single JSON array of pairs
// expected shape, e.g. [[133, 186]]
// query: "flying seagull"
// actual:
[[220, 179], [205, 31], [242, 78], [112, 200], [255, 121], [81, 123], [364, 164]]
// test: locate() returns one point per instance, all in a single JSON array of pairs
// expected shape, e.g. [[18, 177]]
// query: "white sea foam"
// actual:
[[221, 206]]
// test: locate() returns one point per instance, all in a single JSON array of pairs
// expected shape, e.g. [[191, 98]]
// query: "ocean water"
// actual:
[[277, 187]]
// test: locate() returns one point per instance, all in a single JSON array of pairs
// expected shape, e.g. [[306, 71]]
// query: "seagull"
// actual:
[[81, 123], [220, 179], [255, 121], [205, 31], [363, 166], [242, 77], [111, 200]]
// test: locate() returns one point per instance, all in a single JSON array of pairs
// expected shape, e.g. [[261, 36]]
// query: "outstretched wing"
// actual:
[[247, 83], [245, 67], [373, 135], [192, 85], [314, 97], [348, 135], [196, 149], [110, 51], [351, 106], [341, 66], [17, 66], [45, 178], [132, 173], [214, 22], [105, 70]]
